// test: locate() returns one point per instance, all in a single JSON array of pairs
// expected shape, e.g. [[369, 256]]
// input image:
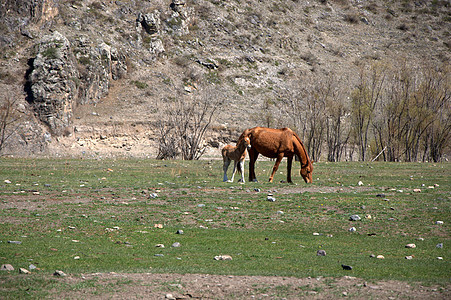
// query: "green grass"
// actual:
[[81, 202]]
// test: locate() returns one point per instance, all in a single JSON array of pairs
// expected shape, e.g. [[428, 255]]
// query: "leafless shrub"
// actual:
[[184, 122], [10, 117]]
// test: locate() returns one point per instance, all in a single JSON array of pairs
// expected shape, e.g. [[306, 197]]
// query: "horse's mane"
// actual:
[[303, 149], [242, 136]]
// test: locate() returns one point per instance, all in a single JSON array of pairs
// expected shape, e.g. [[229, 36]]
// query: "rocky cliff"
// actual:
[[89, 77]]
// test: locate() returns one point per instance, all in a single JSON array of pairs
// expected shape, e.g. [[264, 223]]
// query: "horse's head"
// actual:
[[247, 142], [307, 172]]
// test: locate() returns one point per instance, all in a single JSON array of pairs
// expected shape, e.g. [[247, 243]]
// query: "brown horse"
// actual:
[[238, 155], [278, 143]]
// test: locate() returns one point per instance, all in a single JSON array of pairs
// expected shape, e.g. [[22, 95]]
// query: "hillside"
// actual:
[[118, 63]]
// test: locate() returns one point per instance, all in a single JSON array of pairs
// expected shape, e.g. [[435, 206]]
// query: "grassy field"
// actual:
[[84, 216]]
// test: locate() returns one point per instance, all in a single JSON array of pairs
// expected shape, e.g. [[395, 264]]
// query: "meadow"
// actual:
[[84, 216]]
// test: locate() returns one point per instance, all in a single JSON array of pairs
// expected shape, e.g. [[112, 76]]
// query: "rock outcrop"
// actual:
[[98, 64], [53, 82]]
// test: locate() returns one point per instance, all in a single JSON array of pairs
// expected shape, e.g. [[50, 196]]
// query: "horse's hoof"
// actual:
[[254, 180]]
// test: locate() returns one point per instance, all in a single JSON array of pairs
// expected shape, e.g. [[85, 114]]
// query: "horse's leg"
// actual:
[[234, 170], [241, 170], [289, 163], [252, 158], [225, 166], [276, 166]]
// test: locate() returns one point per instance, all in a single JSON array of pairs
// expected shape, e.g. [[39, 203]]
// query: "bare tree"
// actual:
[[337, 128], [9, 120], [184, 122], [364, 100]]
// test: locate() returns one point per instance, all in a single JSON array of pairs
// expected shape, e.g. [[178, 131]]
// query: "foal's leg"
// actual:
[[234, 170], [276, 166], [241, 169], [225, 166]]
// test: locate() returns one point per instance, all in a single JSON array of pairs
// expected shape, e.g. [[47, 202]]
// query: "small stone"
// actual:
[[271, 199], [321, 253], [372, 255], [411, 246], [24, 271], [368, 217], [153, 195], [417, 190], [59, 273], [440, 258], [352, 229], [439, 222], [76, 257], [7, 267], [179, 232], [360, 183], [159, 245], [158, 225], [280, 212], [420, 239], [380, 195], [316, 233], [170, 297], [344, 294], [440, 245], [257, 190], [354, 218], [201, 205], [159, 255], [346, 267], [409, 257], [380, 257], [7, 181], [176, 245], [32, 267], [223, 257], [15, 242]]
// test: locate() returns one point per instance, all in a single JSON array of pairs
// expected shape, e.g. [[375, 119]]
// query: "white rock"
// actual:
[[360, 183], [411, 246], [223, 257], [7, 267], [352, 229], [59, 273], [380, 256], [439, 222]]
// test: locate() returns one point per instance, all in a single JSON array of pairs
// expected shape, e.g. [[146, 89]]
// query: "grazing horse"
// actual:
[[278, 143], [238, 155]]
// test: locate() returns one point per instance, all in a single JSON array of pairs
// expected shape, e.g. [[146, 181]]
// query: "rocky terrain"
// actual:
[[90, 78]]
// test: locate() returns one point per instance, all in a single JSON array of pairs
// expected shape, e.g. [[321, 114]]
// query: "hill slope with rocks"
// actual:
[[91, 77]]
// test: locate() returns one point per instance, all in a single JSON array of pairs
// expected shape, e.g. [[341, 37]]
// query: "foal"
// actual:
[[238, 155]]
